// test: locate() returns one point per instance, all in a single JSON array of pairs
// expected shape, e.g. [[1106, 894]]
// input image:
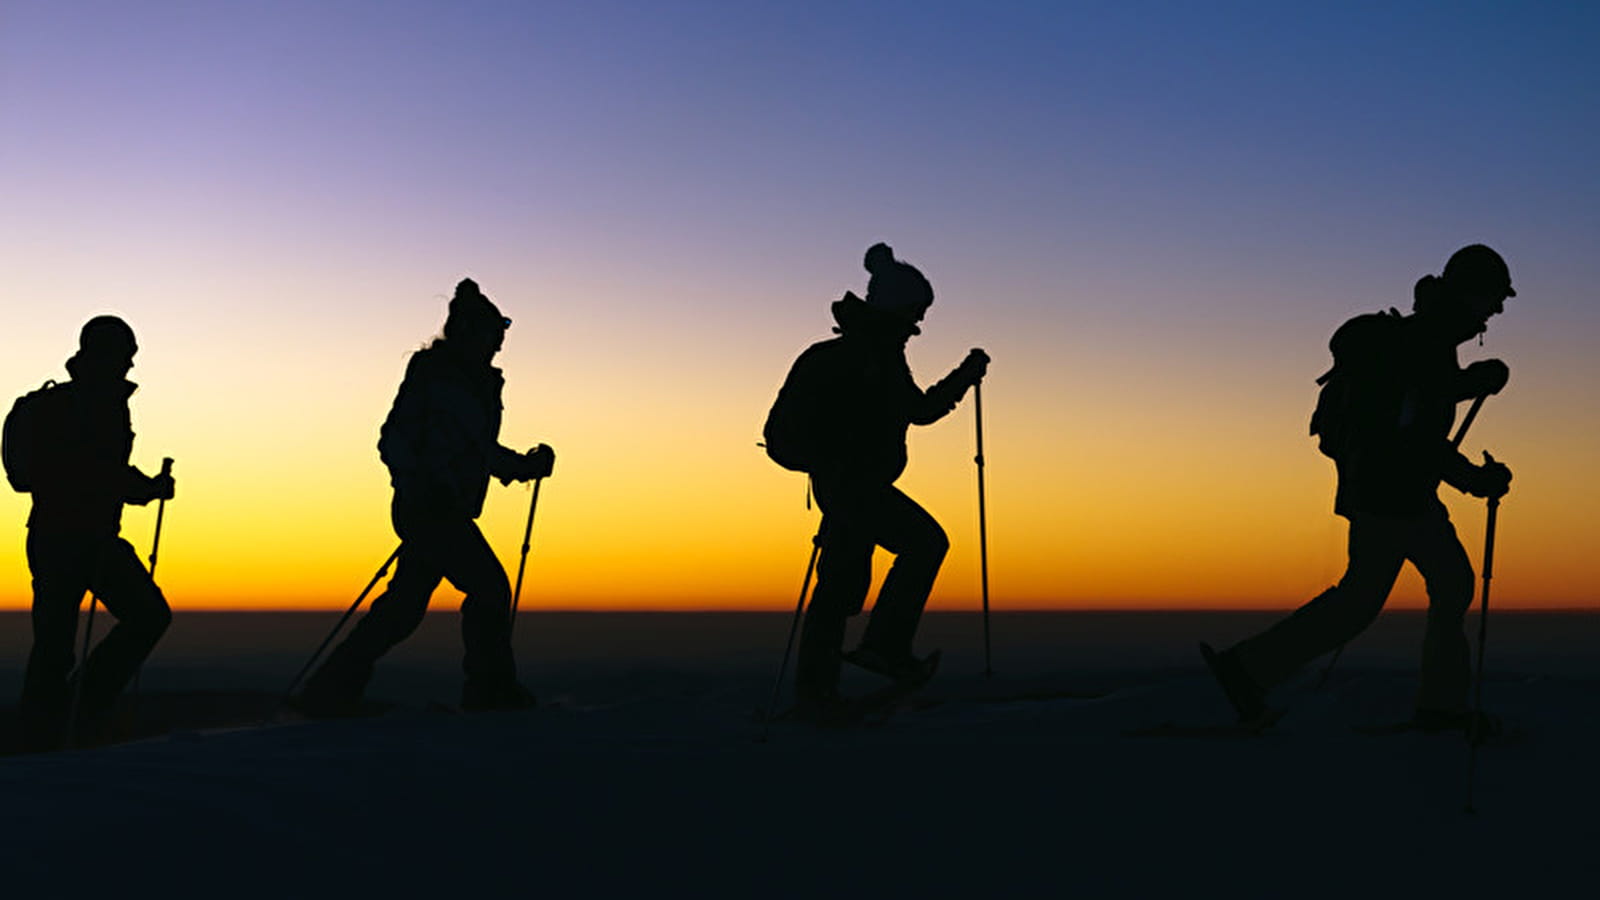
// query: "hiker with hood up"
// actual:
[[440, 443], [842, 416], [1385, 419], [69, 445]]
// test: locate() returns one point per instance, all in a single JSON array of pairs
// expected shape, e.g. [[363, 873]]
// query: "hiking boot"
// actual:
[[1247, 698], [906, 668], [477, 696]]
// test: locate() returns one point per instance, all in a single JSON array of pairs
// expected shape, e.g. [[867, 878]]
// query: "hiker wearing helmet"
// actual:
[[842, 416], [69, 446], [440, 443], [1384, 416]]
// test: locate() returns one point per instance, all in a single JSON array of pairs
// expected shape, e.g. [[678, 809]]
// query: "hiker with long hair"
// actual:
[[441, 445]]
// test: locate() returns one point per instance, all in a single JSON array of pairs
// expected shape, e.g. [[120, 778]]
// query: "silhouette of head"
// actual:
[[106, 347], [896, 287], [475, 326], [1473, 287]]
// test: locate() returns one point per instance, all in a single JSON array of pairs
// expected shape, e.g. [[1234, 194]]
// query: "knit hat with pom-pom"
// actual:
[[896, 287], [470, 310]]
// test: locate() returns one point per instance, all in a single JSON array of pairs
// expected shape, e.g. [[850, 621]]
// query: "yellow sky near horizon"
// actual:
[[1113, 482]]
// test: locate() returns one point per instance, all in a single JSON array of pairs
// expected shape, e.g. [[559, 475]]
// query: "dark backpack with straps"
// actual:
[[795, 426], [788, 433], [1363, 358], [19, 443]]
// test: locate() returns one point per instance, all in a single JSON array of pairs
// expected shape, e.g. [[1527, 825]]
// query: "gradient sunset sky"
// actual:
[[1152, 216]]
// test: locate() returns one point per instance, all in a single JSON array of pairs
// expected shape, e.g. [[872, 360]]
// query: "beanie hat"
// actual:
[[470, 310], [106, 334], [896, 287]]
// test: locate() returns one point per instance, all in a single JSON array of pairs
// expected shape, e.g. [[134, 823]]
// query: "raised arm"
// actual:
[[937, 401]]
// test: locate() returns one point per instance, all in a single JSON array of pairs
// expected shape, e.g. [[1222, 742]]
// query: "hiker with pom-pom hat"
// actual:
[[842, 416]]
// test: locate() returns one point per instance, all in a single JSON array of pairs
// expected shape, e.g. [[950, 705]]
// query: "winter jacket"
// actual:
[[1400, 438], [851, 399], [83, 478], [440, 441]]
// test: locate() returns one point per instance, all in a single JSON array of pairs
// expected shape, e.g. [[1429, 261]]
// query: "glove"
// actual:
[[141, 488], [974, 367], [1490, 481], [163, 487], [1488, 376], [538, 462]]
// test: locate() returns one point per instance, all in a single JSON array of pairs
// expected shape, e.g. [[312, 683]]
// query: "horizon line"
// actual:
[[1010, 610]]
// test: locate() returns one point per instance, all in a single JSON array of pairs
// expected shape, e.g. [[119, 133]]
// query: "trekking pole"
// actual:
[[527, 533], [1466, 421], [1455, 444], [383, 570], [983, 527], [161, 511], [1483, 639], [68, 738], [156, 548], [788, 646]]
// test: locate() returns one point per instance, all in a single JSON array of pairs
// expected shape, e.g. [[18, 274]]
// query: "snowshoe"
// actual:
[[907, 668], [1247, 699]]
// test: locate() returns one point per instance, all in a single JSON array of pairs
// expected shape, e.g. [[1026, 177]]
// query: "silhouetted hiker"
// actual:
[[441, 445], [1384, 417], [68, 445], [842, 416]]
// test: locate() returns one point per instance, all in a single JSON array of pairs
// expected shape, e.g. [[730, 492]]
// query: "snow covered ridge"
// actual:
[[641, 772]]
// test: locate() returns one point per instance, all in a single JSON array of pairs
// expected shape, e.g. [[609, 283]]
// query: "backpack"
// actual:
[[22, 427], [1362, 362], [787, 434], [795, 430]]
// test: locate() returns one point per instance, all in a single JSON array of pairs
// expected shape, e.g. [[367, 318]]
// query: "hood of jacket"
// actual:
[[858, 319], [83, 380]]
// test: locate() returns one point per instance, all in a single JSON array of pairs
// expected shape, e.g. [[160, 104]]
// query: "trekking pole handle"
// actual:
[[166, 465]]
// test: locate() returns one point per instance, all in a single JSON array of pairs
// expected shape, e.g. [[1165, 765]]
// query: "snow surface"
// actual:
[[643, 774]]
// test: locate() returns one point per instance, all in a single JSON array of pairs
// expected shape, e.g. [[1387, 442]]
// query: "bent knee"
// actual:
[[492, 594], [161, 618], [498, 589], [1451, 599], [155, 620], [937, 542]]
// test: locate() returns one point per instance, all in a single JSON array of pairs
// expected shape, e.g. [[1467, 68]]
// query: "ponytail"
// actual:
[[1428, 295]]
